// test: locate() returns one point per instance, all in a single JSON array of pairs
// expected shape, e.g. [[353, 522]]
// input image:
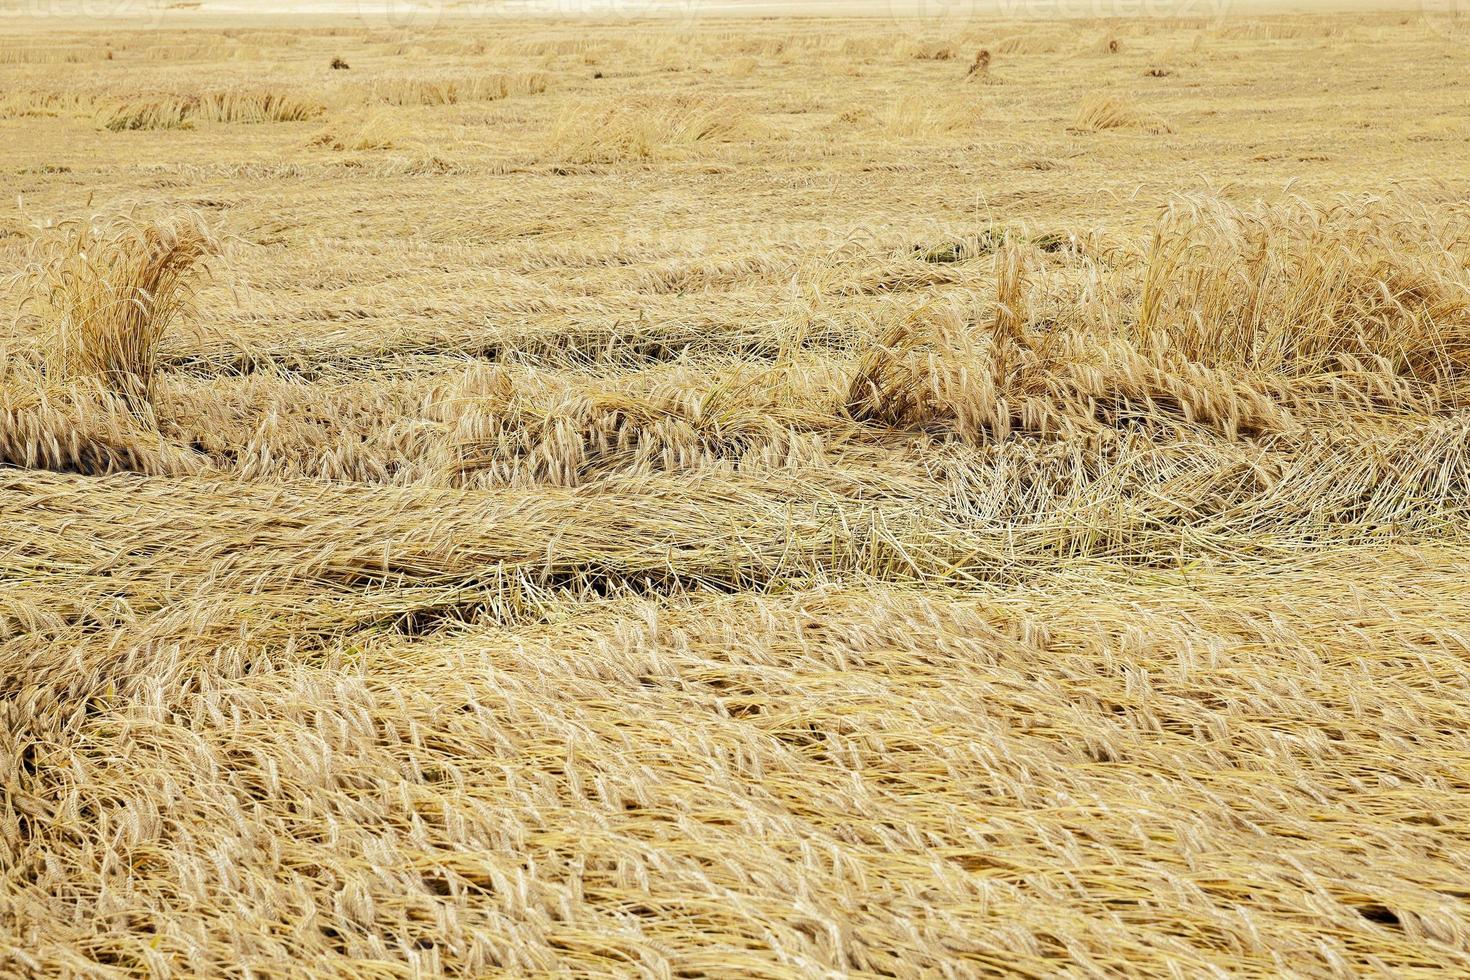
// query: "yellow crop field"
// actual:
[[735, 496]]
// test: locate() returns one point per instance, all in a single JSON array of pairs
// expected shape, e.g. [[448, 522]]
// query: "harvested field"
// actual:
[[735, 498]]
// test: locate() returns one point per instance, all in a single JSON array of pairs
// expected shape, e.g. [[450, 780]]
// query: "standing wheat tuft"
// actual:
[[1010, 293], [980, 67], [1101, 112], [109, 295]]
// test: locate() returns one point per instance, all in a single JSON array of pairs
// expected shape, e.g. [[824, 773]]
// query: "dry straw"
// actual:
[[176, 111], [108, 295], [645, 129], [667, 527], [1102, 112]]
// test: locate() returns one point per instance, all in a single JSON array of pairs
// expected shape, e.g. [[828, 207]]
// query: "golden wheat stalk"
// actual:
[[109, 295]]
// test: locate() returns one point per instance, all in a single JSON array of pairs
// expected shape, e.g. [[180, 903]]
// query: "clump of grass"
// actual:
[[536, 429], [1304, 290], [257, 106], [1039, 164], [936, 51], [923, 117], [962, 249], [24, 104], [380, 132], [52, 55], [182, 111], [985, 379], [1027, 44], [453, 89], [1276, 30], [107, 295], [199, 52], [943, 253], [84, 427], [1103, 112], [159, 112], [646, 129]]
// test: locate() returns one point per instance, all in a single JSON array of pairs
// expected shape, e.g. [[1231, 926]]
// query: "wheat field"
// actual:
[[735, 497]]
